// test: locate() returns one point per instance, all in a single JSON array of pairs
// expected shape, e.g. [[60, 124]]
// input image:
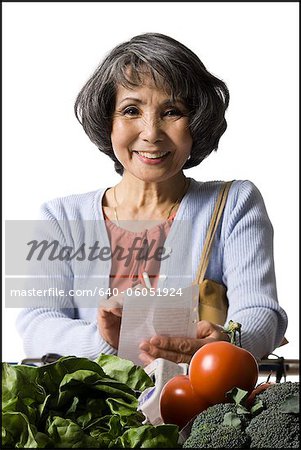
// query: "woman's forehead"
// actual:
[[142, 76], [137, 81], [144, 93]]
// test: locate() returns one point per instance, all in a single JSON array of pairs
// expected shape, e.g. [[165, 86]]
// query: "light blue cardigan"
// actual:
[[241, 259]]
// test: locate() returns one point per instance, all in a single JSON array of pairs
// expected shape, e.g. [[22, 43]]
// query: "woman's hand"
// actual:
[[109, 320], [181, 349]]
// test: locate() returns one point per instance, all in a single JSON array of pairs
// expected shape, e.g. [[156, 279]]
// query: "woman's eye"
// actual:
[[173, 113], [130, 111]]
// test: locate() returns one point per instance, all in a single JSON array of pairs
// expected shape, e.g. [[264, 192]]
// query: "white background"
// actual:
[[51, 48]]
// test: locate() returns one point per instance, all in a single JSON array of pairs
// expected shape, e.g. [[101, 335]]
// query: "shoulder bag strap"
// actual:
[[217, 213]]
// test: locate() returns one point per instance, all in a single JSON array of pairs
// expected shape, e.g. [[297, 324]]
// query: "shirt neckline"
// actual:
[[160, 225], [98, 211]]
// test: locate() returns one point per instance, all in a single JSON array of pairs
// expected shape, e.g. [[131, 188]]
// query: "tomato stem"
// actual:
[[233, 330]]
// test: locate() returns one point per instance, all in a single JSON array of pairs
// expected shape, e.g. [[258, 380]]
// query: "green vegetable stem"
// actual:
[[233, 330]]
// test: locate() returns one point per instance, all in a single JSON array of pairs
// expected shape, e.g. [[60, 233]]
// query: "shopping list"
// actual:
[[147, 315]]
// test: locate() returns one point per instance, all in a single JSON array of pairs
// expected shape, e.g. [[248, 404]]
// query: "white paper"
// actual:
[[145, 316], [161, 371]]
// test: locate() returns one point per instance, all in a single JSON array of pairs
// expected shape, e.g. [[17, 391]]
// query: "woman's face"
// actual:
[[150, 134]]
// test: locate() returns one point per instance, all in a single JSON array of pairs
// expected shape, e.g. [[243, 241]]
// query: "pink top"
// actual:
[[136, 252]]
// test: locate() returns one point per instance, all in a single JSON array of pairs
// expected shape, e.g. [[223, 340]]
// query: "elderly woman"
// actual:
[[155, 110]]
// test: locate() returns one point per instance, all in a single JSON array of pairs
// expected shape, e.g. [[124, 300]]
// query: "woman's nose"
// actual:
[[151, 130]]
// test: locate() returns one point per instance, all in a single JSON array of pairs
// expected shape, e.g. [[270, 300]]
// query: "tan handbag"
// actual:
[[213, 302]]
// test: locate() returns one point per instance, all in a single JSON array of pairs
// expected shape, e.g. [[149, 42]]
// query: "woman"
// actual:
[[155, 110]]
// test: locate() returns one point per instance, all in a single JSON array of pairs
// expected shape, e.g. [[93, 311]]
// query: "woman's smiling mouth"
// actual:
[[151, 157]]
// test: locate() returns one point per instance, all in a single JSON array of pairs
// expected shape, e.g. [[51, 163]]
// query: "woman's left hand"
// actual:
[[180, 349]]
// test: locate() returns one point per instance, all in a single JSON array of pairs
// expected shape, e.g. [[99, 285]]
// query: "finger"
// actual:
[[109, 321], [112, 302], [145, 358], [157, 352], [115, 311], [110, 309], [165, 354], [207, 329], [204, 328], [104, 313], [186, 346]]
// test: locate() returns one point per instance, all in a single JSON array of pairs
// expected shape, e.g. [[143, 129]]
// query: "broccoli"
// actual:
[[215, 415], [274, 428], [277, 393], [275, 424], [217, 436], [208, 429]]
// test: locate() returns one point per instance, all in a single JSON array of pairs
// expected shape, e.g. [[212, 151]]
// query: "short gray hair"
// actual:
[[172, 65]]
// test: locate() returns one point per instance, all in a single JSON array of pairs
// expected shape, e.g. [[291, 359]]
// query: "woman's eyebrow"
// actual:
[[164, 103], [173, 102], [135, 99]]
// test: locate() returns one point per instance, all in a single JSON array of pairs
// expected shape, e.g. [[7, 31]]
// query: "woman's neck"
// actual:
[[135, 199]]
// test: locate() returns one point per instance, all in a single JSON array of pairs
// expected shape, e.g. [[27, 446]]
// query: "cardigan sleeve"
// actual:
[[53, 326], [249, 274]]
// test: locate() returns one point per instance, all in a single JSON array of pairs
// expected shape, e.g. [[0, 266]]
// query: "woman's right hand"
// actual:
[[109, 319]]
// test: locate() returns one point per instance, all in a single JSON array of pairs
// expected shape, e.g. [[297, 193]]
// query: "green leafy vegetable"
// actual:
[[148, 436], [291, 405], [67, 434], [125, 371], [17, 432], [78, 403], [232, 419]]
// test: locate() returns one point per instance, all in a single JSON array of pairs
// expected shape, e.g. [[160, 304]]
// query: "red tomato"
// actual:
[[217, 367], [258, 389], [178, 401]]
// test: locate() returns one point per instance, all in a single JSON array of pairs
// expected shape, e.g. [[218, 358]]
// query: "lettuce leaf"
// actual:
[[125, 371], [78, 403], [17, 432], [149, 436], [67, 434]]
